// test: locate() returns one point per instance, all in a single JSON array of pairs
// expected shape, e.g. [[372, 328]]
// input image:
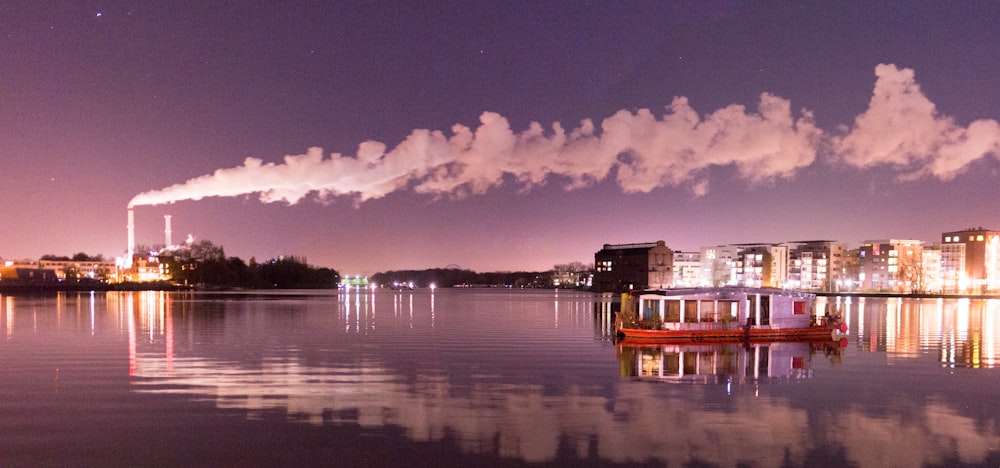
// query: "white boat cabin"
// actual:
[[726, 308]]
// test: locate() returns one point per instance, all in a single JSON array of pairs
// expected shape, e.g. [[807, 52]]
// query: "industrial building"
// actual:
[[624, 267]]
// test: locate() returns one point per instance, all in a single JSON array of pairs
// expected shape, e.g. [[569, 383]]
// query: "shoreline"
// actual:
[[88, 287], [907, 295]]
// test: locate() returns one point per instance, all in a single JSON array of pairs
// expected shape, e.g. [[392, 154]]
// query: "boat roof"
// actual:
[[725, 292]]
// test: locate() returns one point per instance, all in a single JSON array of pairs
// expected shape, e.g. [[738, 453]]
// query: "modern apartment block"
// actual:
[[718, 265], [762, 265], [931, 278], [687, 269], [954, 278], [849, 271], [966, 261], [624, 267], [891, 265], [970, 260], [815, 264]]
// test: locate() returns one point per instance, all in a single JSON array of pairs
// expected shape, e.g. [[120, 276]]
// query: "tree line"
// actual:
[[454, 277], [204, 264]]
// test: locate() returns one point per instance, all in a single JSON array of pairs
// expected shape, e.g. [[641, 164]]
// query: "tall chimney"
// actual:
[[131, 235], [166, 230]]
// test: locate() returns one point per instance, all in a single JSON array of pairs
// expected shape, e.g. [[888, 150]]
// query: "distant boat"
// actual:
[[732, 314]]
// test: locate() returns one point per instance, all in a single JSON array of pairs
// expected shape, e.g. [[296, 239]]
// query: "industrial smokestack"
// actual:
[[166, 230], [131, 235]]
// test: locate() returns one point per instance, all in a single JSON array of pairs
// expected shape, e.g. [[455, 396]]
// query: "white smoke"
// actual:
[[647, 152], [901, 128]]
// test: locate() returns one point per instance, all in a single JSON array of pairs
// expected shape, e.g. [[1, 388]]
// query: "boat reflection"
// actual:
[[729, 363]]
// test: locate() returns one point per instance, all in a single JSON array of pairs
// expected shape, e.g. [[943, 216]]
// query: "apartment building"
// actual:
[[891, 265], [815, 264], [971, 260], [687, 269]]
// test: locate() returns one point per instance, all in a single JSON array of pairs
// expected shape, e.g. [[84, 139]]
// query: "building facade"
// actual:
[[954, 278], [815, 265], [687, 269], [974, 267], [103, 271], [931, 280], [718, 265], [762, 265], [625, 267], [891, 265]]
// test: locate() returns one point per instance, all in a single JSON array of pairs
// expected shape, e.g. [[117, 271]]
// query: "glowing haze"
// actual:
[[642, 151], [543, 129]]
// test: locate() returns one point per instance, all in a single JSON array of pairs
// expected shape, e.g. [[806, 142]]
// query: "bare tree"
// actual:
[[910, 271]]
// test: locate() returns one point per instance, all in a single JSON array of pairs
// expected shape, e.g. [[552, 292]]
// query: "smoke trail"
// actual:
[[643, 151], [901, 129]]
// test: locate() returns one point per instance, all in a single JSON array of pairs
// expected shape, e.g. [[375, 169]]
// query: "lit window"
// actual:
[[979, 237], [947, 238]]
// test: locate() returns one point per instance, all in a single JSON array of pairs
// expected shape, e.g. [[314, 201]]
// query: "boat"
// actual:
[[733, 314]]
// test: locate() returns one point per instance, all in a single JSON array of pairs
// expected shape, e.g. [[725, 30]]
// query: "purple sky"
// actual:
[[697, 123]]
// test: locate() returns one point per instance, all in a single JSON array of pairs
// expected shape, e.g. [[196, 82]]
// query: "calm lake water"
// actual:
[[481, 377]]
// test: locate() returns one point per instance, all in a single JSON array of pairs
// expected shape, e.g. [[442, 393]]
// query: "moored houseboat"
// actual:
[[724, 314]]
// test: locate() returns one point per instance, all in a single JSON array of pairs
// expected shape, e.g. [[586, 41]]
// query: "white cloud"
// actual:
[[902, 128]]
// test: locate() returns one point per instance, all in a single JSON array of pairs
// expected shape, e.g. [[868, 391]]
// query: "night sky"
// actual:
[[493, 135]]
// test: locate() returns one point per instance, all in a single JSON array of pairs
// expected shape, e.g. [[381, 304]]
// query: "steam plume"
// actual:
[[647, 152], [901, 128]]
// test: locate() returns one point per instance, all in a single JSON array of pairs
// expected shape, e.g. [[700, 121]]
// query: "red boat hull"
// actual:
[[735, 335]]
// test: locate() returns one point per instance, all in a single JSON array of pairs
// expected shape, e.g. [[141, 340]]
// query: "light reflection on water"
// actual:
[[960, 332], [530, 375]]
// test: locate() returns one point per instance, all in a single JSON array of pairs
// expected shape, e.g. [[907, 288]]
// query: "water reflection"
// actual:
[[729, 363], [958, 332], [534, 375]]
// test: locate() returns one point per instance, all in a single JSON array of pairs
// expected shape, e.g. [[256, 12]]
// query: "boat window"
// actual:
[[730, 308], [708, 313], [765, 310], [691, 311], [800, 308], [650, 307], [673, 311]]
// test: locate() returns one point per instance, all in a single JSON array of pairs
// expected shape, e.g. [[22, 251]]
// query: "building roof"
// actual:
[[644, 245]]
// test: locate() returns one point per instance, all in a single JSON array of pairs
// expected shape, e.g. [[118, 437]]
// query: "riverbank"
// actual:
[[42, 288], [907, 296]]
